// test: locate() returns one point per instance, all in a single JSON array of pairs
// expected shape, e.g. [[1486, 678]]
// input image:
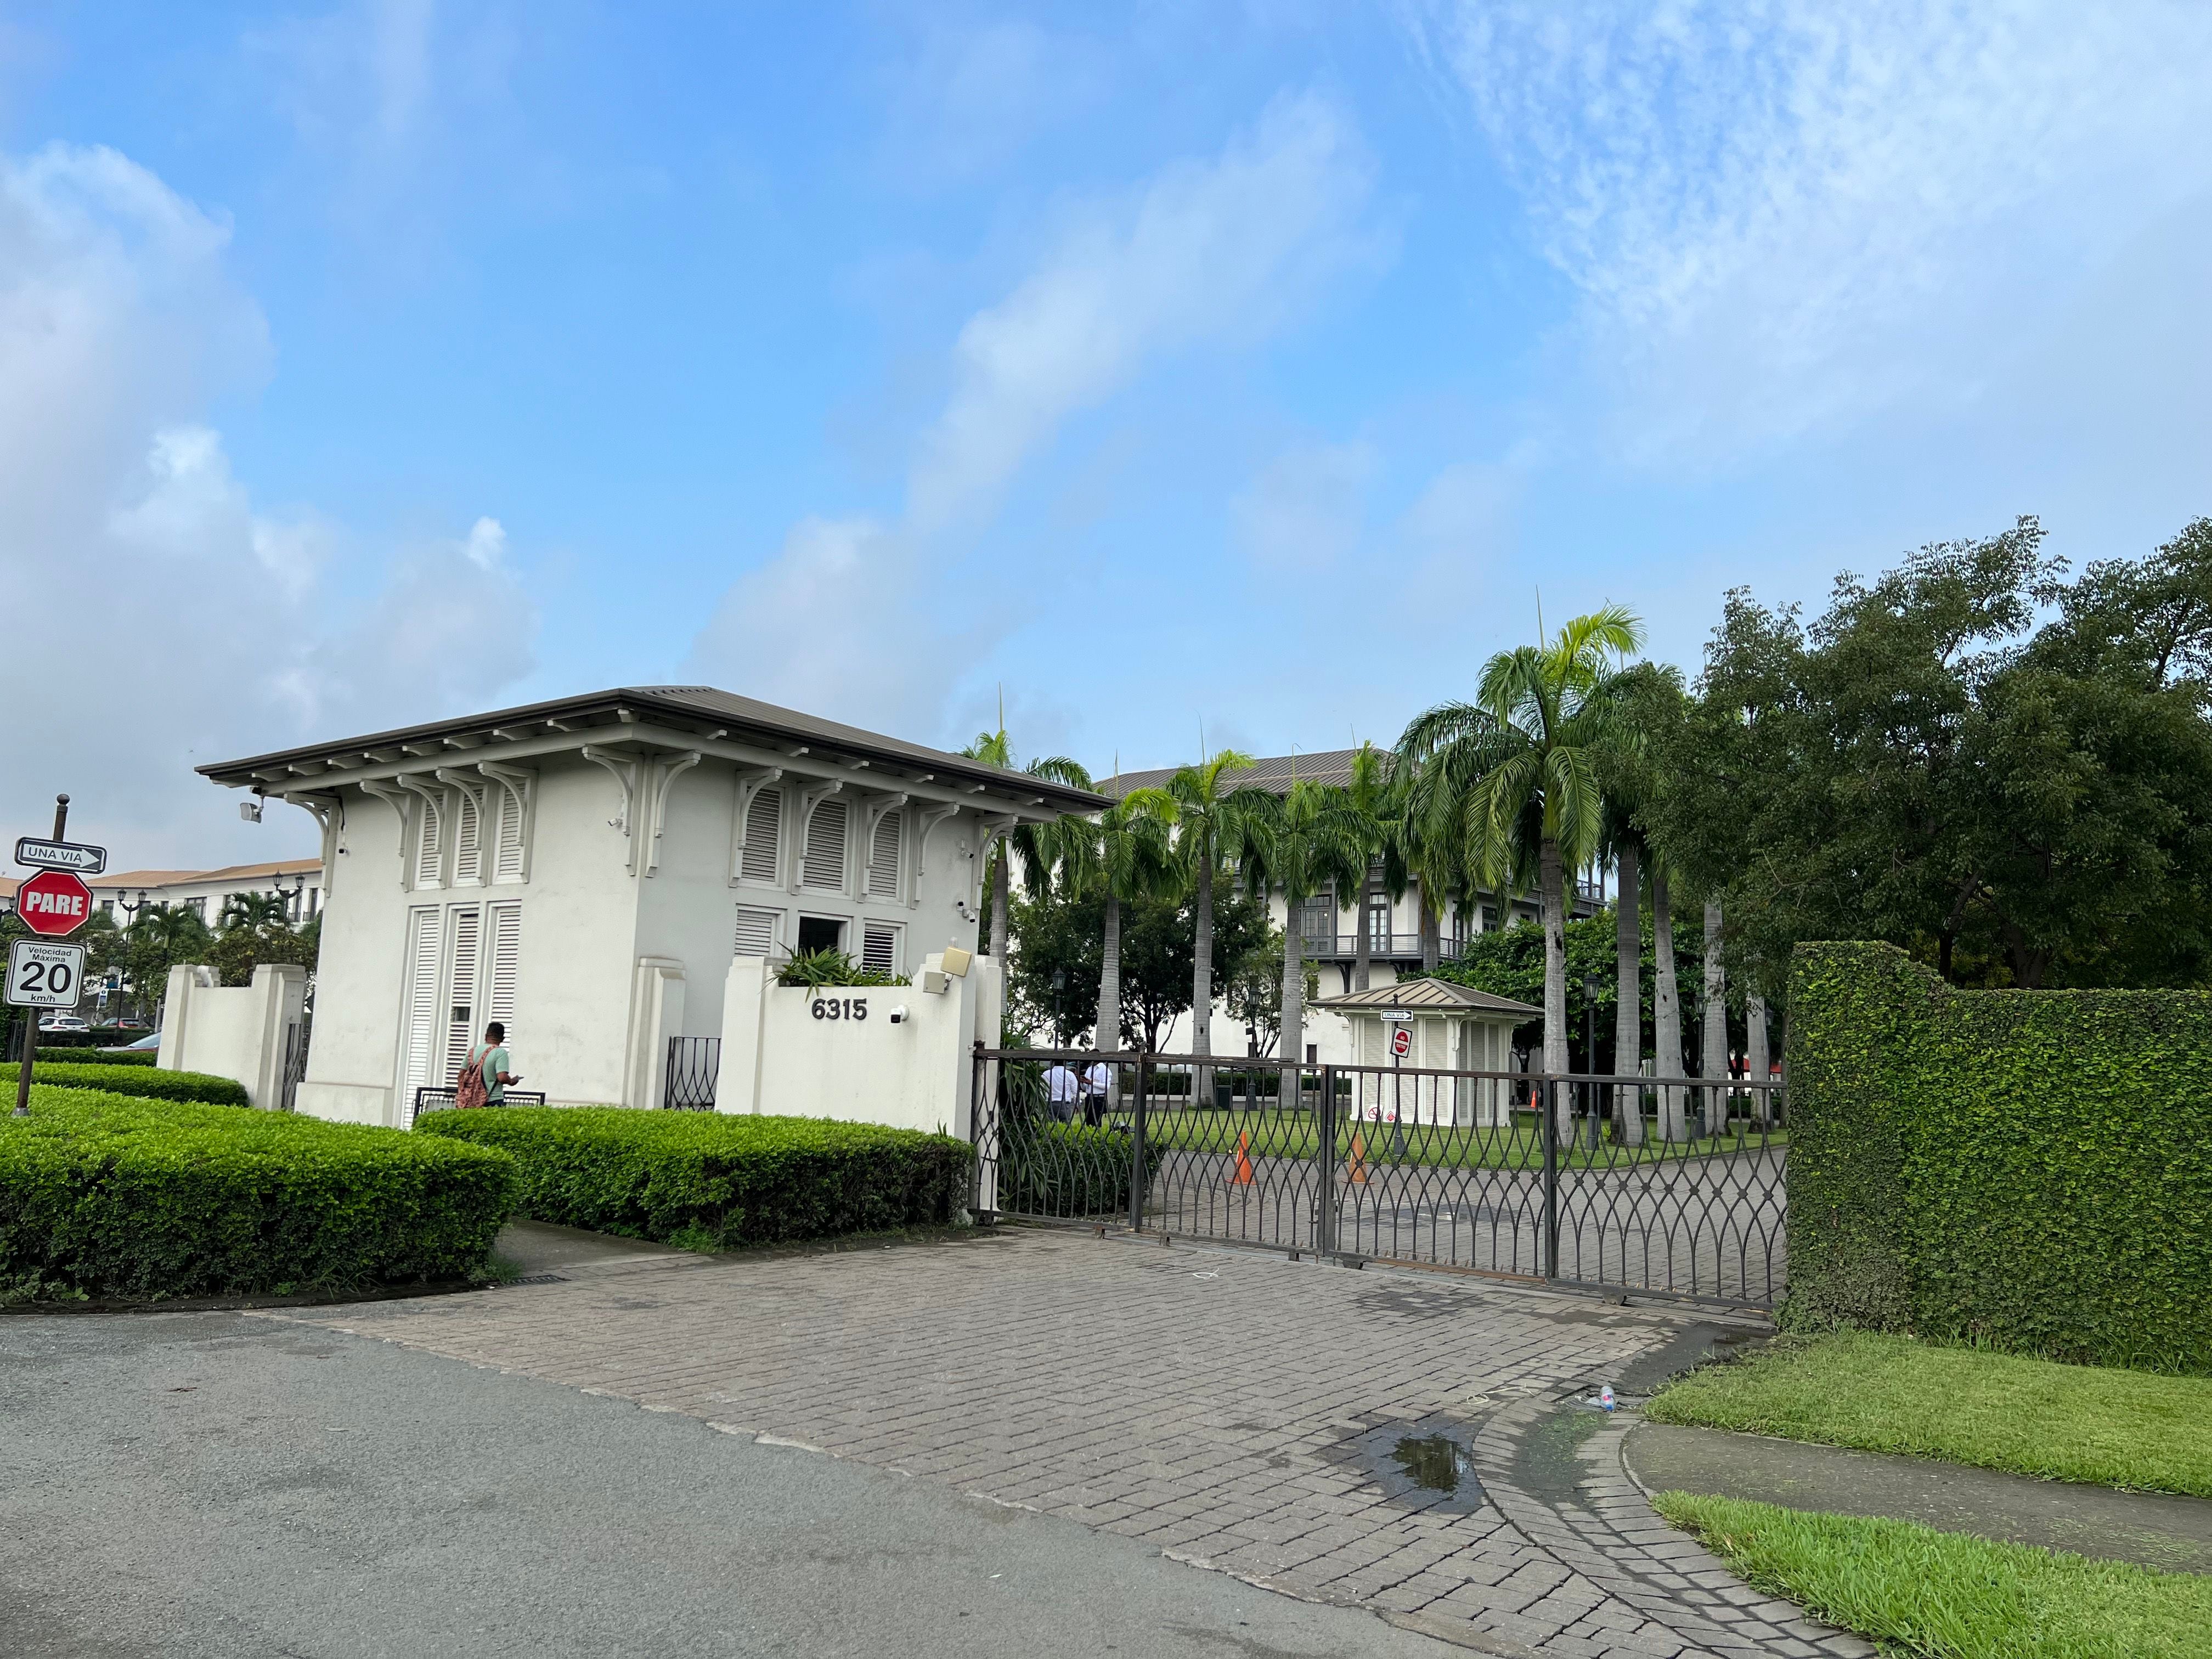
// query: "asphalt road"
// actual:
[[214, 1484]]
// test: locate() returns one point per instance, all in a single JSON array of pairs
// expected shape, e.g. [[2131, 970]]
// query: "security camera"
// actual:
[[898, 1015], [250, 810]]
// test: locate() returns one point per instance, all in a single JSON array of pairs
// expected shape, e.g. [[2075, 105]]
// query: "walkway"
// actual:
[[1233, 1410]]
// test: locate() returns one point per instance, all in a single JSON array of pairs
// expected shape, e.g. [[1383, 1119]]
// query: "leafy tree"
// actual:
[[1060, 948], [1509, 962], [1923, 764], [1515, 775], [1123, 854], [1252, 987], [257, 933]]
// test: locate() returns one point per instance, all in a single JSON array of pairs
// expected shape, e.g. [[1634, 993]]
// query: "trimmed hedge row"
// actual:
[[207, 1090], [47, 1052], [1067, 1170], [103, 1195], [701, 1181], [2033, 1168]]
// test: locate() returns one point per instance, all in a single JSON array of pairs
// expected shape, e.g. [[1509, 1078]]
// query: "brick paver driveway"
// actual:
[[1237, 1409]]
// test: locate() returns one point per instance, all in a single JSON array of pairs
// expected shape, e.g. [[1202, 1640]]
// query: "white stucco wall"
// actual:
[[626, 939], [233, 1031]]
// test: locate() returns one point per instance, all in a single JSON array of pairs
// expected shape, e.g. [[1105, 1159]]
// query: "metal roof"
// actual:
[[1427, 996], [682, 706], [1273, 775]]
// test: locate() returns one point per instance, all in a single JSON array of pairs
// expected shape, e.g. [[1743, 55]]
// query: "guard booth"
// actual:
[[591, 872], [1449, 1028]]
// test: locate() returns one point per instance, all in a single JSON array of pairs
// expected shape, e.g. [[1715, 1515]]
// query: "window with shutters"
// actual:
[[506, 932], [824, 865], [425, 956], [879, 947], [468, 840], [883, 855], [510, 808], [465, 925], [763, 860], [429, 843], [758, 932]]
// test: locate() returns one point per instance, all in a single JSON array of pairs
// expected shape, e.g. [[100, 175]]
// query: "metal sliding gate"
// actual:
[[1671, 1187]]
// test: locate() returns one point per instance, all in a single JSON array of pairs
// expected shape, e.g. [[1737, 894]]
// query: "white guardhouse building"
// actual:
[[589, 872], [1453, 1027]]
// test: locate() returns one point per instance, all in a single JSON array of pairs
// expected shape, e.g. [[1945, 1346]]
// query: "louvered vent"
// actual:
[[879, 947], [429, 841], [883, 856], [425, 948], [512, 809], [823, 866], [756, 931], [468, 840], [763, 838], [506, 965]]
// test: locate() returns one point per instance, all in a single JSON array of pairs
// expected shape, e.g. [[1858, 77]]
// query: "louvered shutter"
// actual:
[[429, 843], [756, 931], [763, 838], [823, 866], [425, 949], [506, 864], [461, 1014], [468, 840], [883, 855], [506, 965], [879, 947]]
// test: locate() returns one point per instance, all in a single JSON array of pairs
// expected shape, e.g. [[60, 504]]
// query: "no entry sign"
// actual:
[[1401, 1042], [53, 903]]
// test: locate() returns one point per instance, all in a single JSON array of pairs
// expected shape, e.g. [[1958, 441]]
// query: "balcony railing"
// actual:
[[1393, 947]]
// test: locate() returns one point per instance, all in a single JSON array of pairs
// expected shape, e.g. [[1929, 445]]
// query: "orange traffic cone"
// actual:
[[1243, 1158], [1355, 1170]]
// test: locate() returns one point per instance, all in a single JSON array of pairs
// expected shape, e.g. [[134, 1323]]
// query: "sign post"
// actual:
[[54, 904]]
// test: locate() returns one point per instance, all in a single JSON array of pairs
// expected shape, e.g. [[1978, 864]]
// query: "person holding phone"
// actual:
[[493, 1060]]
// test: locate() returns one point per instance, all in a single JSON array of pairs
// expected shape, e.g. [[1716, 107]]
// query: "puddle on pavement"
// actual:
[[1432, 1461]]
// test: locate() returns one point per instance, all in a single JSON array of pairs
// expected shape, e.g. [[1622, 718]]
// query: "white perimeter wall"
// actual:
[[233, 1031]]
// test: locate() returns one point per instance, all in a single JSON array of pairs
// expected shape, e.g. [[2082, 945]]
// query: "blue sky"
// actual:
[[1255, 364]]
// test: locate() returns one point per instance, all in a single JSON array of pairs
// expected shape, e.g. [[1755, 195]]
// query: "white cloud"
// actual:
[[206, 627], [1305, 513], [837, 624], [880, 623], [1221, 250], [965, 99], [1791, 214]]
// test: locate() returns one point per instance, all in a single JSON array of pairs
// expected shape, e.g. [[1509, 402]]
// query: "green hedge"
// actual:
[[704, 1181], [96, 1056], [2033, 1168], [107, 1196], [130, 1081], [1066, 1170]]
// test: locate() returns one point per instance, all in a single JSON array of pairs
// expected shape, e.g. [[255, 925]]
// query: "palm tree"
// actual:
[[1125, 850], [1652, 695], [1303, 842], [1665, 1010], [1516, 773], [255, 910], [1035, 844], [1376, 794], [1203, 814]]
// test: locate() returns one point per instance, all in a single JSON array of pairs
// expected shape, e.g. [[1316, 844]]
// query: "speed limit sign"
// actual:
[[43, 975]]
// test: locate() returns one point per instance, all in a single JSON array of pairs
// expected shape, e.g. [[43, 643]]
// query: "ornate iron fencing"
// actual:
[[1670, 1187], [694, 1063]]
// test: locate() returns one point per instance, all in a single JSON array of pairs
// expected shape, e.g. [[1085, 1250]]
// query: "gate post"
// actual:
[[1551, 1099], [1137, 1145], [1325, 1163], [983, 1136]]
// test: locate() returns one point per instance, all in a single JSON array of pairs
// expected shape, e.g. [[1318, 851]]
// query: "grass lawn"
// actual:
[[1996, 1411], [1919, 1591], [1270, 1132]]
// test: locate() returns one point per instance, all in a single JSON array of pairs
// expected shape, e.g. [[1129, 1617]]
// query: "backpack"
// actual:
[[468, 1090]]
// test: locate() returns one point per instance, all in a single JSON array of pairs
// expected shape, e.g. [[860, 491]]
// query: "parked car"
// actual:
[[150, 1044], [64, 1022], [132, 1025]]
